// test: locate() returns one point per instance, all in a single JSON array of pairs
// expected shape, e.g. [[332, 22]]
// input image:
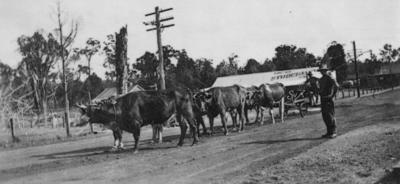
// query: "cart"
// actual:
[[297, 99]]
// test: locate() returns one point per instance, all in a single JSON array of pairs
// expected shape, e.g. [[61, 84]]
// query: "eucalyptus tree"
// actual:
[[89, 50], [39, 55]]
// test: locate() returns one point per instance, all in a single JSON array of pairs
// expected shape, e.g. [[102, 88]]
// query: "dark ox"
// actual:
[[134, 110], [199, 111], [219, 100], [267, 95], [251, 103]]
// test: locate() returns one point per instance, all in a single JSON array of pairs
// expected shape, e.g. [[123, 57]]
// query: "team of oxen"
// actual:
[[136, 109]]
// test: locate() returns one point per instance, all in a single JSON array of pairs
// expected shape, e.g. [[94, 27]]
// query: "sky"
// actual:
[[211, 29]]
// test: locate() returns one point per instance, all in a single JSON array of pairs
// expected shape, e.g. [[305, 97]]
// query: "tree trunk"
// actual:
[[121, 45], [44, 112], [90, 97], [66, 101], [35, 94], [64, 78], [36, 98], [65, 84]]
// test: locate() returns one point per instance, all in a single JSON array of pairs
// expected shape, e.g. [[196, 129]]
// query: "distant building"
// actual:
[[389, 69], [292, 77], [388, 75], [112, 92]]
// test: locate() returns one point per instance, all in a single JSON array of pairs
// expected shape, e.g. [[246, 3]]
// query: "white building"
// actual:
[[286, 77]]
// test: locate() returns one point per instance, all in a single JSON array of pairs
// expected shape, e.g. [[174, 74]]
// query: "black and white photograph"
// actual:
[[195, 92]]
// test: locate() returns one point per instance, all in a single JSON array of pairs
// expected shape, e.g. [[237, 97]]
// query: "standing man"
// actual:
[[327, 91]]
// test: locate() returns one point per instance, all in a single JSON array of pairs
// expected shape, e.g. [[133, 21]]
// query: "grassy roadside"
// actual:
[[43, 136]]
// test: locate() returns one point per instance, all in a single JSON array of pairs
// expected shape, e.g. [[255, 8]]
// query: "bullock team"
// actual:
[[133, 110]]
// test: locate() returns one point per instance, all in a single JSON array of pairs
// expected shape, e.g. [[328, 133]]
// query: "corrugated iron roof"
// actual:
[[135, 88], [105, 94]]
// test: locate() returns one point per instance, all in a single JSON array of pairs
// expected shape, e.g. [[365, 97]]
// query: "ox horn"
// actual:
[[81, 106]]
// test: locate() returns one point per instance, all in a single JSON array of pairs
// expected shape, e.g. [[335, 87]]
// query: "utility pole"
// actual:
[[158, 27], [356, 69]]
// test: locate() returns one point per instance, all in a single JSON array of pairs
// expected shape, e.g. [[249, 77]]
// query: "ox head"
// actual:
[[84, 119], [101, 113], [250, 101], [254, 95], [87, 114], [202, 99]]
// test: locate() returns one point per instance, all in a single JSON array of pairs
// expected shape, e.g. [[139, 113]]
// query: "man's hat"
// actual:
[[323, 67]]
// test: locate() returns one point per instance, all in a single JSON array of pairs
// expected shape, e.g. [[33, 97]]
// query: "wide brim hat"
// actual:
[[323, 67]]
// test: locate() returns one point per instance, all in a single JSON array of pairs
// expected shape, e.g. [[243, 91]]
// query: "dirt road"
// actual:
[[269, 153]]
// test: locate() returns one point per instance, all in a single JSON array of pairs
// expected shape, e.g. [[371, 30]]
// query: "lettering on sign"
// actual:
[[289, 74]]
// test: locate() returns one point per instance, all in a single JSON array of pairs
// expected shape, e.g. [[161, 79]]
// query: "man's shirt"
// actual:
[[327, 86]]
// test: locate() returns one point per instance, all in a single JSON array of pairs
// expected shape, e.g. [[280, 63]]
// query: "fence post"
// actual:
[[12, 129], [52, 121]]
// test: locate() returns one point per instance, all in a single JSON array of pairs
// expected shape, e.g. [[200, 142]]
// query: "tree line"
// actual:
[[181, 69]]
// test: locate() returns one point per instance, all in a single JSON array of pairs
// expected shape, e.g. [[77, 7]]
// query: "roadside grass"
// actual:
[[44, 135]]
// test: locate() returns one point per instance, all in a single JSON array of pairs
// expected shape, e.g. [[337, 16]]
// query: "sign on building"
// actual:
[[286, 77]]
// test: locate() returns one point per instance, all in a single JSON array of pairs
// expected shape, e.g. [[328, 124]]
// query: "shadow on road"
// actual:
[[391, 178], [282, 141], [102, 150], [144, 145]]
